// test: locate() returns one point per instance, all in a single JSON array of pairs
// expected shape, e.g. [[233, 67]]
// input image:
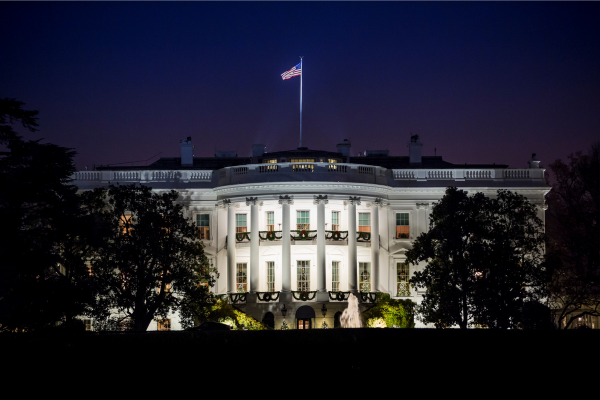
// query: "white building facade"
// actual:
[[288, 231]]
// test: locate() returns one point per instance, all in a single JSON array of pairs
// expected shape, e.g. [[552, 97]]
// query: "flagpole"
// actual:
[[301, 101]]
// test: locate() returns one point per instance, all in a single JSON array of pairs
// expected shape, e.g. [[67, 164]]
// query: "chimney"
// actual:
[[344, 148], [258, 150], [187, 152], [534, 162], [414, 149]]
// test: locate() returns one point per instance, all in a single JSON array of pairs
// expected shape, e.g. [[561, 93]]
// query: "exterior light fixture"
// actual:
[[324, 310], [283, 311]]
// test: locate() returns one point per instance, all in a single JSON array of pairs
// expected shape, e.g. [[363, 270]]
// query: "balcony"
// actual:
[[305, 172], [294, 172]]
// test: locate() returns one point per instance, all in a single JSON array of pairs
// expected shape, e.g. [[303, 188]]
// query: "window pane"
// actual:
[[402, 279], [335, 276], [270, 276], [402, 219], [303, 271], [335, 217], [302, 220], [240, 220], [241, 279], [364, 219], [240, 223], [202, 219], [364, 273], [402, 226], [270, 218]]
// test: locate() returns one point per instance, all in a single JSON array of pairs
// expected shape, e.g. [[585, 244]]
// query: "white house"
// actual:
[[313, 221]]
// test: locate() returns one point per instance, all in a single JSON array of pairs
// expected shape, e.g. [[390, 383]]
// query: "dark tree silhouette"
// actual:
[[484, 260], [38, 209], [153, 262], [574, 237]]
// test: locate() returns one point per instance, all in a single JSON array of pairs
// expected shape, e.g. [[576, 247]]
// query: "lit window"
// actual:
[[88, 324], [241, 278], [240, 223], [302, 220], [364, 222], [335, 276], [364, 272], [302, 167], [270, 221], [203, 222], [270, 276], [271, 161], [332, 161], [164, 324], [303, 276], [125, 224], [335, 220], [402, 280], [402, 227], [89, 268]]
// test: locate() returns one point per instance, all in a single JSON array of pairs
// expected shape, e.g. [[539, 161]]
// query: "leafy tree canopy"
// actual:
[[391, 313], [38, 210], [484, 260], [152, 264], [574, 237]]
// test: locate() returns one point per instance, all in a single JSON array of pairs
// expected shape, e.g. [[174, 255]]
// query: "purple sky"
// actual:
[[481, 82]]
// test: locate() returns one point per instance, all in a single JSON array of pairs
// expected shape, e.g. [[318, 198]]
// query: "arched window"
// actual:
[[269, 320], [304, 317], [336, 320]]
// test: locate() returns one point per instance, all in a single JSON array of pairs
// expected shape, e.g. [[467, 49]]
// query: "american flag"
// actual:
[[296, 71]]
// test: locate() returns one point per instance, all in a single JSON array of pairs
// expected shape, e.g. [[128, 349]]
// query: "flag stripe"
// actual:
[[295, 71]]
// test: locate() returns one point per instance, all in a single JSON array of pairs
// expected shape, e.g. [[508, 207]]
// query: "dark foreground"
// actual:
[[338, 347]]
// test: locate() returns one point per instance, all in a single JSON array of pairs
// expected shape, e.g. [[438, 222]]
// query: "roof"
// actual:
[[379, 160]]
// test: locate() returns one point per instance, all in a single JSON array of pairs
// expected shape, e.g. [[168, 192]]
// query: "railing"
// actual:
[[318, 171], [516, 173], [268, 168], [303, 235], [368, 297], [363, 236], [336, 235], [269, 235], [303, 168], [268, 296], [440, 174], [242, 236], [143, 176], [337, 168], [304, 295], [339, 296], [236, 298], [86, 176], [467, 173]]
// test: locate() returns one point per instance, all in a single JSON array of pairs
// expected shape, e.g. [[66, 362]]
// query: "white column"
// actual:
[[375, 245], [254, 256], [286, 250], [352, 259], [322, 294], [230, 246]]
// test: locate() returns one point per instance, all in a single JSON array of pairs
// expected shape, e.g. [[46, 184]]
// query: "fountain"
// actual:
[[351, 316]]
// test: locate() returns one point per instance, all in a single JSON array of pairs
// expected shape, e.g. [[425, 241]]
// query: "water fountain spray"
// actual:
[[351, 316]]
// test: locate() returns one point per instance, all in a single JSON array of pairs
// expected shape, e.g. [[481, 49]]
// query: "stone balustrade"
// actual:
[[495, 174], [294, 172]]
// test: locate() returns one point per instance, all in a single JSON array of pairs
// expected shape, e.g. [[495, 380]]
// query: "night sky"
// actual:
[[481, 82]]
